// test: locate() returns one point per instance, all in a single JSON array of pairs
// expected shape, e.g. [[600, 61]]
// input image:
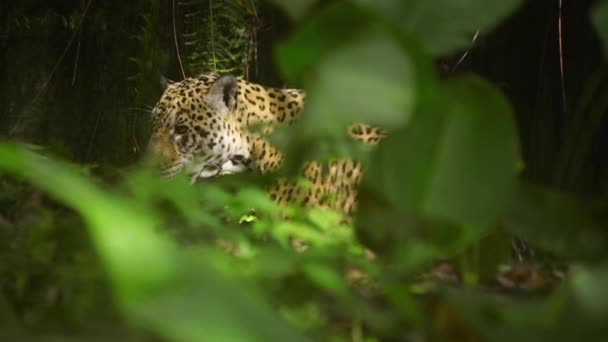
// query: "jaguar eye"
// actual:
[[181, 129]]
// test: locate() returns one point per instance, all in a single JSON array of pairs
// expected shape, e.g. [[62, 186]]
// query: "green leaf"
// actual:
[[107, 217], [442, 26], [333, 26], [558, 223], [511, 320], [573, 311], [157, 286], [204, 305], [599, 17], [351, 86], [455, 163], [326, 278], [589, 288], [296, 9]]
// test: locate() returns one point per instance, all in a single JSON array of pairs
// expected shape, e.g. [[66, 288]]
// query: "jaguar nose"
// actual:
[[160, 153]]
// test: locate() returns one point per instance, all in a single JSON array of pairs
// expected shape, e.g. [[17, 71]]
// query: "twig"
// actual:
[[63, 54], [92, 139], [77, 57], [561, 54], [211, 32], [136, 148], [179, 57], [464, 55]]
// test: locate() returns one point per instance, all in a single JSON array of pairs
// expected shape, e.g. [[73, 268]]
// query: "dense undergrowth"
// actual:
[[88, 255]]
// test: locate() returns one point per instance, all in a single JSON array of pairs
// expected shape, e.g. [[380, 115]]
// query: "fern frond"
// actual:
[[216, 35]]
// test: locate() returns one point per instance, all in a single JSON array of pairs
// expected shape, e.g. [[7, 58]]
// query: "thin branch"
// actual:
[[77, 58], [211, 32], [179, 57], [92, 139], [254, 12], [65, 51], [465, 54], [561, 54]]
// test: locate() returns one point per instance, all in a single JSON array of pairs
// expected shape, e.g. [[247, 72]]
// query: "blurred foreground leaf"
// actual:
[[455, 163], [335, 25], [442, 26], [571, 312], [599, 16], [351, 86], [296, 9], [559, 223], [158, 287], [589, 288]]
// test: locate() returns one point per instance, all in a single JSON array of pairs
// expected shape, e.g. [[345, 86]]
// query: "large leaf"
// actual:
[[456, 163], [443, 26], [351, 86], [599, 16]]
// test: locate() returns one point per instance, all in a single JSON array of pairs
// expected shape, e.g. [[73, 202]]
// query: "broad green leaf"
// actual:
[[455, 163], [442, 26], [351, 86], [599, 16]]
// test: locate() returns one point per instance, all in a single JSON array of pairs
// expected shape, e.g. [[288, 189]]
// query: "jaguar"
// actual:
[[203, 126]]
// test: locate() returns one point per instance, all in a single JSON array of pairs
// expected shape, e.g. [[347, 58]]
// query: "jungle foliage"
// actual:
[[95, 246]]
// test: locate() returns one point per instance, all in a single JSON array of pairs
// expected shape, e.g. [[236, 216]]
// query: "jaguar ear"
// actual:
[[222, 93], [165, 82]]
